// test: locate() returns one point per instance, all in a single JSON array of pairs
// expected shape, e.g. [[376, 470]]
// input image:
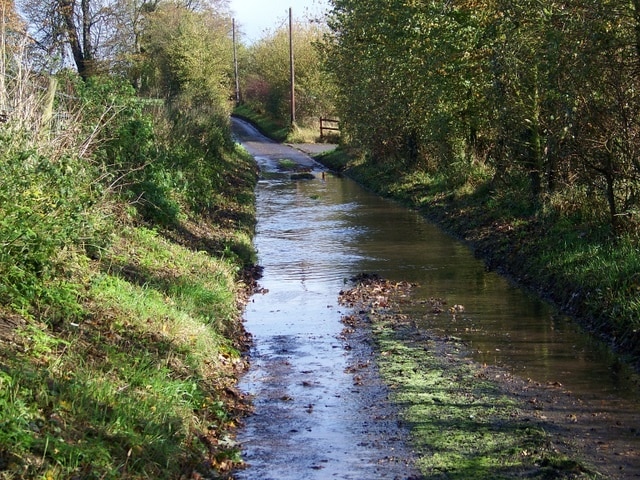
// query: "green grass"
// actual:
[[280, 132], [305, 134], [286, 164], [337, 159], [267, 126], [464, 427], [132, 389], [138, 382]]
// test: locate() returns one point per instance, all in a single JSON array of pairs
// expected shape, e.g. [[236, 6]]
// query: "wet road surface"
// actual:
[[316, 421], [321, 411]]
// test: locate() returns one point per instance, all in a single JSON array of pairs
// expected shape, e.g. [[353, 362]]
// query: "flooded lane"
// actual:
[[312, 420]]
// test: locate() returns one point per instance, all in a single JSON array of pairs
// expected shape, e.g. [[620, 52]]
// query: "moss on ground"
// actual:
[[463, 425]]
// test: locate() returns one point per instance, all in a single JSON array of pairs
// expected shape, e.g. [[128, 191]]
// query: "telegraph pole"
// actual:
[[292, 70]]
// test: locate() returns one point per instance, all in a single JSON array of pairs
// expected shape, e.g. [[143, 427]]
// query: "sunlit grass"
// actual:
[[130, 388], [286, 164], [127, 391], [460, 423], [304, 134], [89, 417], [266, 124]]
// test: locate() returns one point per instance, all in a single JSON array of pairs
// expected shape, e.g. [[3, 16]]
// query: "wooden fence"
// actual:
[[328, 124]]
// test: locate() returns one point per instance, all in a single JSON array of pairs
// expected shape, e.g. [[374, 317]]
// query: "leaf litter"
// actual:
[[472, 421]]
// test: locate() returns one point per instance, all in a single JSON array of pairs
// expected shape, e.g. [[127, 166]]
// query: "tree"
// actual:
[[11, 33], [75, 27], [266, 75], [543, 92], [96, 34], [189, 53], [408, 76], [607, 123], [353, 51], [124, 47]]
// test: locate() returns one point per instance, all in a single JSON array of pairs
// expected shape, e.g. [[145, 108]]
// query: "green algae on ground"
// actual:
[[462, 424]]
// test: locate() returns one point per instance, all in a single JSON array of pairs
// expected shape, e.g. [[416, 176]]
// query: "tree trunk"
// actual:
[[636, 18], [610, 177], [536, 157], [87, 48], [67, 10]]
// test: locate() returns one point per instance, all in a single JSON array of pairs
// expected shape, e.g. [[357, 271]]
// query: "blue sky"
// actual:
[[253, 17]]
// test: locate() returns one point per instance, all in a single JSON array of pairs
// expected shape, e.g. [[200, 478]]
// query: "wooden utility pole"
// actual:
[[235, 62], [292, 70]]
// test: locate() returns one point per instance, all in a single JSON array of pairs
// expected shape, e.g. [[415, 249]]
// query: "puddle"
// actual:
[[314, 418]]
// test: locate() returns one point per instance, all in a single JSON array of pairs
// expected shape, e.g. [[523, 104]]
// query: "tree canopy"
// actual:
[[543, 92], [265, 74], [97, 35]]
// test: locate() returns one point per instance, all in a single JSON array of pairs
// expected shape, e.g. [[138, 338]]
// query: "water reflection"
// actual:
[[310, 420], [311, 237], [354, 231]]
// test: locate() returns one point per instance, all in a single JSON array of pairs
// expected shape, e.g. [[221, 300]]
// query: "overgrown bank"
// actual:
[[126, 249], [126, 219]]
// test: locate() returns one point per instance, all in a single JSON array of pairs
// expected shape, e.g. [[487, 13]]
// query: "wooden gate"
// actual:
[[328, 124]]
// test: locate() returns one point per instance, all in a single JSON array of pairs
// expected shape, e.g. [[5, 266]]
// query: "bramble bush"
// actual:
[[47, 195]]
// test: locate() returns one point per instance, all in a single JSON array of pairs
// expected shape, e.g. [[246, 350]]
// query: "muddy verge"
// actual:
[[473, 421]]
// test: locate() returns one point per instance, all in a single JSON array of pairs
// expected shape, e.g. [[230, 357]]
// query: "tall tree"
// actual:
[[95, 34], [11, 37], [79, 36], [70, 28], [189, 52], [607, 123], [266, 76]]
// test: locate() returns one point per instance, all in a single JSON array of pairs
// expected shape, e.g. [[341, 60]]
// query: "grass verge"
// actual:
[[140, 382], [307, 132], [265, 124]]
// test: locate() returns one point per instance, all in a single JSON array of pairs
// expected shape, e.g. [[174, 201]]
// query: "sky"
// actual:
[[254, 17]]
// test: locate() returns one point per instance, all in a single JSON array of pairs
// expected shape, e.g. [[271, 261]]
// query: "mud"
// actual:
[[602, 436]]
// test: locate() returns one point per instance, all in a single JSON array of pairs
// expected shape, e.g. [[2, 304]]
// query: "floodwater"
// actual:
[[311, 419]]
